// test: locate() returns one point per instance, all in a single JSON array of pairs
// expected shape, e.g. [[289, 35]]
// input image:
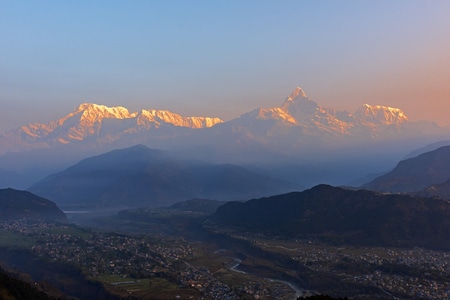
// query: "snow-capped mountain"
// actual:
[[383, 115], [300, 121], [97, 123], [299, 110]]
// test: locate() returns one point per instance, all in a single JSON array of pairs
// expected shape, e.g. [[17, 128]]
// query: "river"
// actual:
[[298, 291]]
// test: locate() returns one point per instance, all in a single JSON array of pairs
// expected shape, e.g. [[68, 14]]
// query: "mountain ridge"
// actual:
[[306, 117], [342, 216], [103, 123], [416, 173], [139, 176]]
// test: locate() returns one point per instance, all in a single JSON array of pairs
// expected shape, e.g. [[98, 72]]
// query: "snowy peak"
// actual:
[[299, 106], [165, 116], [297, 93], [86, 120], [275, 113], [296, 108], [102, 111], [383, 115], [297, 96], [90, 114], [298, 111]]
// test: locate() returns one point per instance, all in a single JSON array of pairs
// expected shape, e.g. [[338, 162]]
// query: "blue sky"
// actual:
[[222, 58]]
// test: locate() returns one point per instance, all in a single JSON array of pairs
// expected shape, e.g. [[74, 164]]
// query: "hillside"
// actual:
[[343, 216], [415, 174], [16, 204], [13, 287], [140, 176], [440, 190]]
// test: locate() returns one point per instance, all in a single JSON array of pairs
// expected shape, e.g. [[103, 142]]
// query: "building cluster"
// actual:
[[127, 256], [417, 272], [203, 280]]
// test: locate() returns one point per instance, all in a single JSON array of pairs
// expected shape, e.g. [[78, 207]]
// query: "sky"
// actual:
[[222, 58]]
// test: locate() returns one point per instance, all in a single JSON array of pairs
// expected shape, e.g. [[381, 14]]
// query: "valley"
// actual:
[[215, 264], [136, 266]]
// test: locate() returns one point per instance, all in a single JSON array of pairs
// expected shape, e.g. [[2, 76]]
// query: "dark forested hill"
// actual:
[[440, 190], [343, 216], [15, 204], [12, 287]]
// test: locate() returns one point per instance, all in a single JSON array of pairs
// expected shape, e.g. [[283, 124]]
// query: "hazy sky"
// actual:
[[222, 58]]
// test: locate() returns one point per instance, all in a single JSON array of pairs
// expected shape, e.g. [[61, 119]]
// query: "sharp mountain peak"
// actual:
[[297, 93]]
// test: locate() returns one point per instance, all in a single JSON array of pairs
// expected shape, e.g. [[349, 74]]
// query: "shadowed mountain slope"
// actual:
[[440, 190], [16, 204], [13, 287], [343, 216], [416, 173], [139, 176]]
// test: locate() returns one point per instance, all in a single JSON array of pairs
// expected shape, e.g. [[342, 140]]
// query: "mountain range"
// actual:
[[98, 124], [297, 141], [142, 177]]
